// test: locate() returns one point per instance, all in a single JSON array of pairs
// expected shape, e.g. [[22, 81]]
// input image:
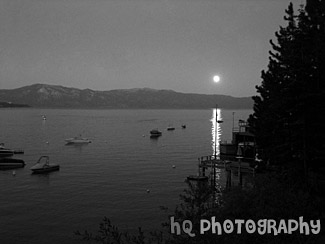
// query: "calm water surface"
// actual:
[[108, 177]]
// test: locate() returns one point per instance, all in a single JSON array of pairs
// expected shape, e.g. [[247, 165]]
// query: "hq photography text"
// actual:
[[238, 226]]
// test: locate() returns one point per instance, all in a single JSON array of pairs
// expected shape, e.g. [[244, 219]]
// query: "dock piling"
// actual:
[[239, 168]]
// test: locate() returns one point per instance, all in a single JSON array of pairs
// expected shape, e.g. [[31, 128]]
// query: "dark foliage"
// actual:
[[278, 197], [288, 112]]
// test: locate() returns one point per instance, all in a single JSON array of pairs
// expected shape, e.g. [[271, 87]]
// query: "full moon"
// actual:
[[216, 78]]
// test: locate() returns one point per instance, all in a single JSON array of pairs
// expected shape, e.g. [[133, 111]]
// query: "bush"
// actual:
[[280, 196]]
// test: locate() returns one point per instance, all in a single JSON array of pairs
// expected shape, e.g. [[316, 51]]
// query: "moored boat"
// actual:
[[11, 163], [77, 140], [5, 152], [155, 133], [43, 166], [197, 178]]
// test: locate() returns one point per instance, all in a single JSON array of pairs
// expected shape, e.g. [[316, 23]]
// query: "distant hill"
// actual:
[[52, 96]]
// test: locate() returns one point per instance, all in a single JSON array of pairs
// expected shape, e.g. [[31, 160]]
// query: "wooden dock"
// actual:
[[234, 169]]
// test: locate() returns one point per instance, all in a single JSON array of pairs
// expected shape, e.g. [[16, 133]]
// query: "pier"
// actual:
[[234, 170]]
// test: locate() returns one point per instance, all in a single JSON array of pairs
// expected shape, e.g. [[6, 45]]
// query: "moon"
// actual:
[[216, 78]]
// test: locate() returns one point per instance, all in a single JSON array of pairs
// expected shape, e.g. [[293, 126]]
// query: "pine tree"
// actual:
[[270, 114], [287, 113], [313, 23]]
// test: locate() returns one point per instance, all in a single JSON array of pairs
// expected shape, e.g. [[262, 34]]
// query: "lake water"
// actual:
[[108, 177]]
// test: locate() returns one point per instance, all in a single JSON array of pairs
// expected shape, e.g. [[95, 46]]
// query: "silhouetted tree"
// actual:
[[287, 113]]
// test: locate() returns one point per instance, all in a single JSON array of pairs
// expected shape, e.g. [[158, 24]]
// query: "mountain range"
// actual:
[[53, 96]]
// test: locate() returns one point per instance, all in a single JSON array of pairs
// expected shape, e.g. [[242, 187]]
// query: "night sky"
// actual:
[[121, 44]]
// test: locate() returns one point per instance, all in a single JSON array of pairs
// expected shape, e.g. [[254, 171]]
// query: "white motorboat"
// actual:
[[77, 140]]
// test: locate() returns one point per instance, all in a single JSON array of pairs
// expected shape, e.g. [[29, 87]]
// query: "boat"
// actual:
[[77, 140], [170, 128], [184, 126], [197, 178], [11, 163], [5, 152], [155, 133], [43, 166]]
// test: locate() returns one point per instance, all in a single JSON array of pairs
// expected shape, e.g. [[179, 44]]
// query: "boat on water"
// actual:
[[11, 163], [170, 128], [197, 178], [5, 152], [77, 140], [155, 133], [184, 126], [43, 166]]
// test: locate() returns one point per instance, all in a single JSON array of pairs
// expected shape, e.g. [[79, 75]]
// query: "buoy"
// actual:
[[174, 166], [148, 190], [14, 173], [47, 142]]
